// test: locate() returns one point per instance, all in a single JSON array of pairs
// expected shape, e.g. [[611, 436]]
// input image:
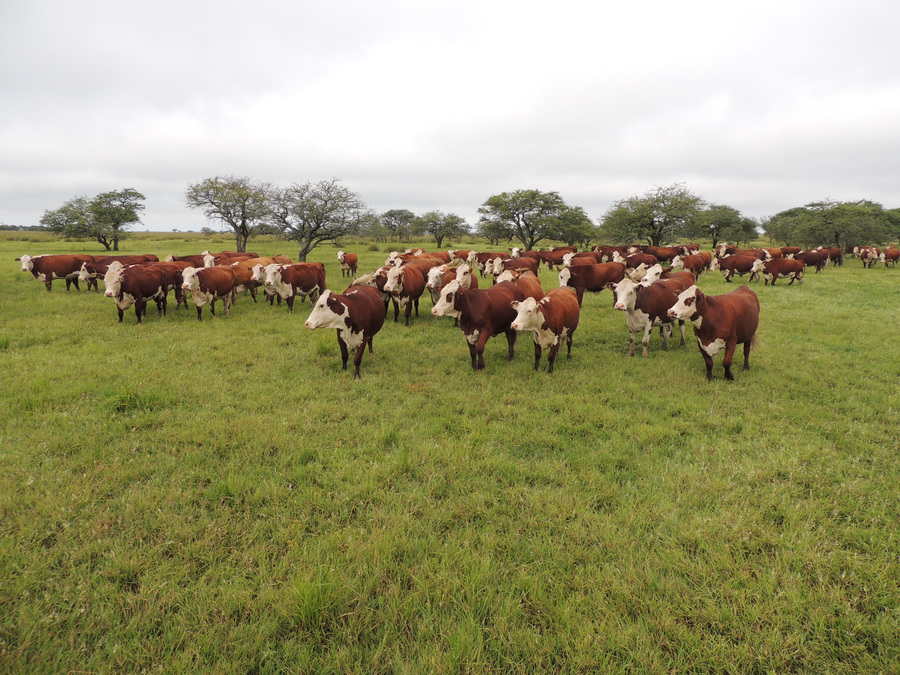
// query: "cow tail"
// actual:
[[754, 341]]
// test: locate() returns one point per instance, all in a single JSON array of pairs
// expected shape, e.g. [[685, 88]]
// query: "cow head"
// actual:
[[27, 263], [464, 276], [515, 251], [654, 272], [340, 256], [329, 312], [685, 308], [713, 264], [394, 283], [258, 273], [434, 276], [209, 260], [625, 293], [189, 280], [564, 275], [446, 304], [567, 259], [528, 315], [170, 258], [273, 275], [83, 274]]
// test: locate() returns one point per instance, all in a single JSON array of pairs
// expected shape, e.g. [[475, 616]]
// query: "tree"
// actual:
[[315, 213], [528, 215], [723, 223], [574, 227], [831, 223], [114, 212], [399, 223], [662, 215], [493, 231], [442, 225], [72, 220], [235, 202]]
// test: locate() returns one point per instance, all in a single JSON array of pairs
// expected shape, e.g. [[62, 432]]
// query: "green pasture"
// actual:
[[218, 496]]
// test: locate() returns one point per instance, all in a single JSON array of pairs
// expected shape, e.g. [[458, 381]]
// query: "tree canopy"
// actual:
[[313, 213], [105, 218], [443, 226], [662, 215], [527, 215], [235, 202], [833, 223], [723, 223]]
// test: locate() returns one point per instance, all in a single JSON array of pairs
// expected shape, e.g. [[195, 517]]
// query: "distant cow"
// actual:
[[46, 268], [357, 316], [482, 314], [772, 269], [815, 259], [244, 277], [208, 284], [551, 319], [520, 263], [721, 322], [734, 264], [405, 285], [136, 285], [348, 263], [889, 256]]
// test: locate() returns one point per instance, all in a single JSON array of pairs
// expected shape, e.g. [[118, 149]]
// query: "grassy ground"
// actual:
[[218, 496]]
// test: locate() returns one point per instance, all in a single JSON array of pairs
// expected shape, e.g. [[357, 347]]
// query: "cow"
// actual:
[[696, 262], [46, 268], [647, 305], [520, 263], [815, 259], [405, 285], [868, 254], [582, 258], [478, 259], [231, 254], [301, 279], [482, 314], [527, 280], [356, 315], [173, 271], [135, 285], [663, 253], [734, 264], [194, 260], [772, 269], [554, 256], [462, 255], [208, 284], [790, 251], [438, 277], [593, 278], [244, 277], [646, 274], [348, 262], [721, 322], [91, 271], [889, 256], [635, 259], [552, 319]]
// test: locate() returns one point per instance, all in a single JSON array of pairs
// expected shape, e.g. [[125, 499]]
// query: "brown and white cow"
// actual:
[[405, 286], [696, 262], [303, 279], [349, 262], [721, 323], [356, 315], [889, 256], [734, 264], [46, 268], [194, 260], [815, 259], [135, 285], [592, 278], [527, 280], [90, 272], [208, 284], [647, 305], [521, 264], [478, 259], [245, 278], [771, 270], [482, 314], [551, 319]]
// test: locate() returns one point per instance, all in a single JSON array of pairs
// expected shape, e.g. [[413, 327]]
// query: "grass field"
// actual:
[[219, 496]]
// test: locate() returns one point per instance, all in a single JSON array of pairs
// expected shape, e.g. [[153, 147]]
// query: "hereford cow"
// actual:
[[526, 280], [646, 306], [301, 279], [520, 264], [772, 269], [811, 259], [90, 272], [482, 314], [46, 268], [194, 260], [889, 256], [135, 285], [734, 264], [790, 251], [245, 278], [208, 284], [721, 322], [593, 278], [405, 285], [696, 263], [356, 315], [348, 263], [552, 319], [478, 259]]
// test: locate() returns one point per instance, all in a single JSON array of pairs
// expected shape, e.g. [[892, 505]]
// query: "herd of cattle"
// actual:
[[649, 294]]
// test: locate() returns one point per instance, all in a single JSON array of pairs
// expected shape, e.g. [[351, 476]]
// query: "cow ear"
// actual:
[[639, 287], [699, 295], [515, 304]]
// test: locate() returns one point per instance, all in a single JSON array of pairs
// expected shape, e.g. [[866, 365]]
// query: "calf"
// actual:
[[46, 268], [405, 285], [208, 284], [301, 279], [780, 267], [357, 316], [136, 285], [348, 263], [552, 319], [721, 322], [593, 278], [482, 314]]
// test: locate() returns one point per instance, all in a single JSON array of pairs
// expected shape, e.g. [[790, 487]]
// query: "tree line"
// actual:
[[314, 213]]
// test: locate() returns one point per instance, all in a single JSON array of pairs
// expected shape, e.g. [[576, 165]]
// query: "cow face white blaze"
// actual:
[[464, 276], [323, 316], [435, 274], [340, 256], [757, 267], [273, 274], [567, 259], [685, 308], [626, 293], [564, 275], [27, 264], [713, 264], [209, 261], [394, 283], [444, 305], [258, 273], [83, 273], [654, 272], [189, 281], [111, 279], [527, 315]]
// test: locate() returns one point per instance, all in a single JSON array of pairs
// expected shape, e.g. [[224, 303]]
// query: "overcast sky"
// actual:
[[439, 104]]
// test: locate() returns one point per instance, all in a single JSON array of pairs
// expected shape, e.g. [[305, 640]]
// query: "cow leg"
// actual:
[[407, 311], [290, 303], [369, 340], [47, 282], [396, 310], [537, 357], [121, 314], [345, 355], [226, 302], [199, 314], [68, 283], [140, 308], [632, 338], [666, 329], [212, 305], [252, 290], [473, 354], [358, 359], [417, 306], [707, 359], [511, 336], [747, 345], [551, 356], [681, 326], [730, 346], [569, 344]]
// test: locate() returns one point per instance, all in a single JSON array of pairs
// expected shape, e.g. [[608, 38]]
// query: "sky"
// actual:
[[439, 104]]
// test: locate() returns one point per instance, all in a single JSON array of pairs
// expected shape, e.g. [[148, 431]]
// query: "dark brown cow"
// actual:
[[889, 256], [772, 269], [194, 260], [136, 285], [788, 251], [812, 259], [520, 263], [405, 285], [91, 271], [482, 314], [835, 255], [300, 279], [356, 316], [552, 319], [663, 253], [721, 322], [593, 278], [46, 268], [349, 262], [208, 284], [734, 264]]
